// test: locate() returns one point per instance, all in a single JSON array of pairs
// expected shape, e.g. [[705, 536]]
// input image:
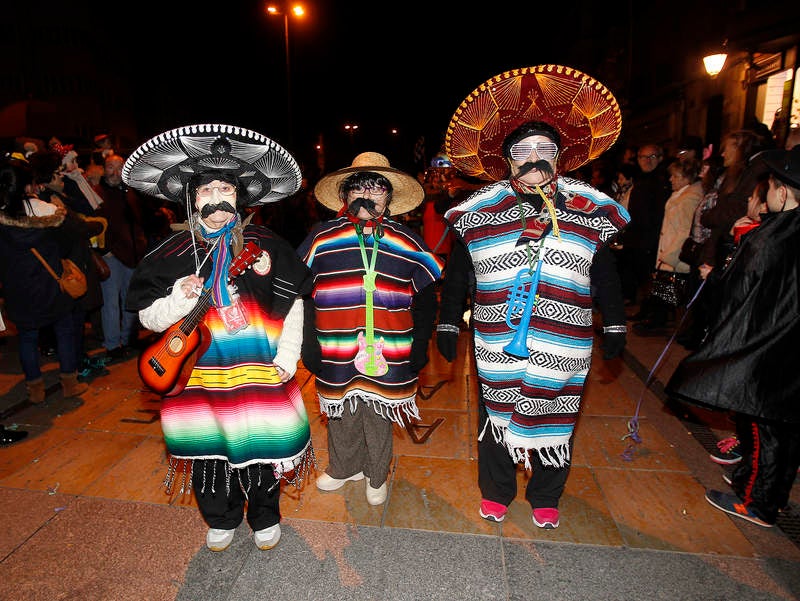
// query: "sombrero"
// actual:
[[582, 109], [407, 192], [163, 165]]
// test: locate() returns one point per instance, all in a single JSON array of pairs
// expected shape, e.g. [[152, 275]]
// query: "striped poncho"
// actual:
[[404, 266], [533, 402], [234, 406]]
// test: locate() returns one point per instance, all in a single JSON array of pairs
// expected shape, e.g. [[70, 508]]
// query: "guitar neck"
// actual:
[[196, 314]]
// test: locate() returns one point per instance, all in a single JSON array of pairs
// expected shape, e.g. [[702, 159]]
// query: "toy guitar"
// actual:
[[165, 366], [369, 359]]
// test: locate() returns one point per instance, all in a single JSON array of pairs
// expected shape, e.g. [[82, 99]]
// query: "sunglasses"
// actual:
[[544, 150]]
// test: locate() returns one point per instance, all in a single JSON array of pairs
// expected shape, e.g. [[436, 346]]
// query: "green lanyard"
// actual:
[[369, 359]]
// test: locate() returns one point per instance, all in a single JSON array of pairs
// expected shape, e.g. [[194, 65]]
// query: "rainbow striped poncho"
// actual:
[[404, 266], [234, 407]]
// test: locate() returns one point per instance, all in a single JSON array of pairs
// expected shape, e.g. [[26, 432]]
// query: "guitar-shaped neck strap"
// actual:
[[369, 359]]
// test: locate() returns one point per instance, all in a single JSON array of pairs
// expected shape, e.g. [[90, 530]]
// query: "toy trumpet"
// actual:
[[524, 301]]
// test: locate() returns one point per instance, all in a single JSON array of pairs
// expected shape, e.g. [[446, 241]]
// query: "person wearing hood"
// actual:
[[27, 222]]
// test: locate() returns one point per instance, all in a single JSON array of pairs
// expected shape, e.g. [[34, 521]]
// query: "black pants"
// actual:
[[764, 477], [221, 494], [497, 473]]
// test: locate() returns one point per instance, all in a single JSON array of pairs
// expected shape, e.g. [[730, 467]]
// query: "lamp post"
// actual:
[[351, 128], [283, 10]]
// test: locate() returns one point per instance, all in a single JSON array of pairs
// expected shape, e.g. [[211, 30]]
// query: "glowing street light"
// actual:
[[298, 11], [350, 128]]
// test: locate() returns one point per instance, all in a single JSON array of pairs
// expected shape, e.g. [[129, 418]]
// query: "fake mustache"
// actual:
[[360, 203], [220, 206], [542, 166]]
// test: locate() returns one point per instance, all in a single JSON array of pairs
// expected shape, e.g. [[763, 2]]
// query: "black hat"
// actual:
[[164, 165], [783, 164]]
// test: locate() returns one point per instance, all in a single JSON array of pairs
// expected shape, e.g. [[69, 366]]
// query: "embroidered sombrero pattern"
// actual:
[[163, 165], [582, 109]]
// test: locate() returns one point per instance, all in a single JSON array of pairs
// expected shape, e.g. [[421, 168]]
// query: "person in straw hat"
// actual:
[[370, 319], [747, 362], [237, 426], [526, 245]]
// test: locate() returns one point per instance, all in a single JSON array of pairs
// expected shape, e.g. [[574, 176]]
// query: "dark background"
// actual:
[[384, 66]]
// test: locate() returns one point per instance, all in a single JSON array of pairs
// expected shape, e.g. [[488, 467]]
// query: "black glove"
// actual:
[[419, 357], [613, 344], [447, 342]]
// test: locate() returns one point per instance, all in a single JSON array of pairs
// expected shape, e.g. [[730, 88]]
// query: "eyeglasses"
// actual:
[[373, 191], [647, 156], [224, 189], [522, 150]]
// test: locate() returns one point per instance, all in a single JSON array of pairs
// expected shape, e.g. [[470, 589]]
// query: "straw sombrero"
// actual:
[[582, 109], [407, 192], [163, 165]]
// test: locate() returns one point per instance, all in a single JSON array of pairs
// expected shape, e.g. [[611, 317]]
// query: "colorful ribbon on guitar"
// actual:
[[218, 280]]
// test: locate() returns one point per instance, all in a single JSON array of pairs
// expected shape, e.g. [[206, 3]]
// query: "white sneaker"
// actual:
[[219, 540], [376, 496], [326, 482], [267, 538]]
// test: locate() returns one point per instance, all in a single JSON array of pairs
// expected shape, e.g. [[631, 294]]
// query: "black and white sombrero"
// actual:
[[163, 166]]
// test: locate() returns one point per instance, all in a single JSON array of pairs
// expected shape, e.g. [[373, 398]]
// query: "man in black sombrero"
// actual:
[[526, 245], [371, 318], [233, 416]]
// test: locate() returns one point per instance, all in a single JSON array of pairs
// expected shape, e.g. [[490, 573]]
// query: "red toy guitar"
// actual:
[[165, 366]]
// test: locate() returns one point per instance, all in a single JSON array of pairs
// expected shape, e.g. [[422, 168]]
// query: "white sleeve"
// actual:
[[291, 339], [167, 310]]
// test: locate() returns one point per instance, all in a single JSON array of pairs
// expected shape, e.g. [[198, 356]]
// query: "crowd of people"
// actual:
[[528, 225]]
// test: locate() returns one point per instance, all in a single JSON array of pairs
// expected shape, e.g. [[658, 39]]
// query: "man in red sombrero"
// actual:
[[526, 248]]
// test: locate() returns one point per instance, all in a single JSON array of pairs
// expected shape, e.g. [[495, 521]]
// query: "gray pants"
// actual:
[[360, 442]]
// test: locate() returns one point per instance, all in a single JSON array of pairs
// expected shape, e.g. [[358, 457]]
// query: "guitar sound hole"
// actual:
[[176, 344]]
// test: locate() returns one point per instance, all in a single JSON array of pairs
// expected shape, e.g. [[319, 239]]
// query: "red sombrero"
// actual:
[[582, 109]]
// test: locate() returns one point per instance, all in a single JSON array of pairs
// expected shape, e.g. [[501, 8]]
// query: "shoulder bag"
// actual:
[[72, 280]]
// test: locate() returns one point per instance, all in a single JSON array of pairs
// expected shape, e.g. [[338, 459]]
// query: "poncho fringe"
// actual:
[[292, 470], [552, 455], [393, 412]]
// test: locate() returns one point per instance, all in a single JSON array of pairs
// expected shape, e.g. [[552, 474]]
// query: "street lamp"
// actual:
[[298, 11], [350, 128], [714, 62]]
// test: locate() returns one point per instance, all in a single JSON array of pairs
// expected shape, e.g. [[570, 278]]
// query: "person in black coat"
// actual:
[[33, 298], [747, 363]]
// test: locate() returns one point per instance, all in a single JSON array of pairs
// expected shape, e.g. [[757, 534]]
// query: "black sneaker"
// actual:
[[735, 506], [726, 453]]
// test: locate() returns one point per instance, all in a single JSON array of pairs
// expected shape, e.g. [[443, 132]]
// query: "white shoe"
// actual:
[[267, 538], [376, 496], [326, 482], [219, 540]]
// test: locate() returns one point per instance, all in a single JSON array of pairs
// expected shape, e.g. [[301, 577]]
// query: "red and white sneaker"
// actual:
[[546, 517], [494, 512]]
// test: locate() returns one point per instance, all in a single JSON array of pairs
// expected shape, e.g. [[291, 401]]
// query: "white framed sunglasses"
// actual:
[[544, 150]]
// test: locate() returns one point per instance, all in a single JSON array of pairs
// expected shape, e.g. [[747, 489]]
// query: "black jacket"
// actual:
[[748, 361]]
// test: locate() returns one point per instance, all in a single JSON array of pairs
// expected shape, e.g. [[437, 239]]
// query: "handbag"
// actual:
[[669, 287], [72, 280], [690, 251], [100, 265]]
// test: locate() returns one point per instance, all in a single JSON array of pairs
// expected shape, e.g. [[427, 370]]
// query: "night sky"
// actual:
[[381, 65]]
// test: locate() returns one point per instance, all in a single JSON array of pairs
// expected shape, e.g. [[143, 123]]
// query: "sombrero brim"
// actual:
[[407, 192], [583, 110], [163, 166]]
